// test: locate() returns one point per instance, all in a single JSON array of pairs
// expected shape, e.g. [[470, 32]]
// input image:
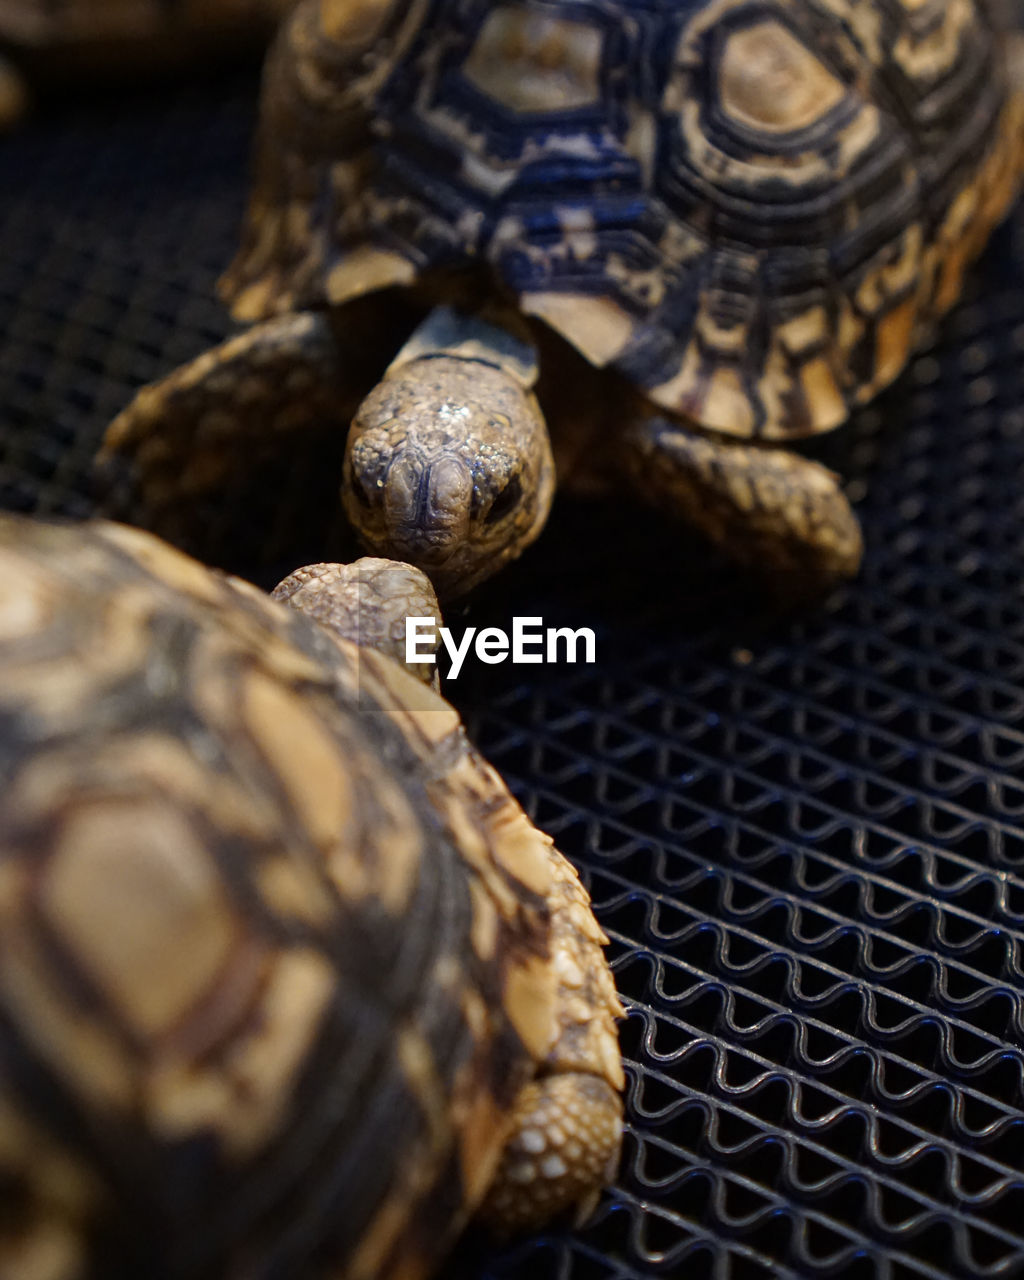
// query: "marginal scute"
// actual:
[[364, 270], [598, 327], [821, 392], [522, 850], [894, 335], [529, 995], [726, 400]]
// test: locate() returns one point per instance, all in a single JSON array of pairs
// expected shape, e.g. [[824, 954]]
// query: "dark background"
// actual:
[[802, 833]]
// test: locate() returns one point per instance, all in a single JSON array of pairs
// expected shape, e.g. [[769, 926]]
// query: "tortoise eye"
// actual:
[[505, 501]]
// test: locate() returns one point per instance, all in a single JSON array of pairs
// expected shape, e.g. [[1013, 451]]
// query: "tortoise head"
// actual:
[[367, 602], [448, 464]]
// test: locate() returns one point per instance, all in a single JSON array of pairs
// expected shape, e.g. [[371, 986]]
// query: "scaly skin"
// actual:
[[448, 464], [566, 1133], [366, 602], [765, 508]]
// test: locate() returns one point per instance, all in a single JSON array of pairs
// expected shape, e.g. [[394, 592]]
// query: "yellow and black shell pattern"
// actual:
[[266, 994], [753, 209]]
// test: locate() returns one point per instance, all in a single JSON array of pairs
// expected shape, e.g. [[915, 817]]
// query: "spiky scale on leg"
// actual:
[[764, 507], [563, 1151]]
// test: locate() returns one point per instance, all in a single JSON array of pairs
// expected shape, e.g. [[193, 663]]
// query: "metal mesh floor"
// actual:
[[805, 837]]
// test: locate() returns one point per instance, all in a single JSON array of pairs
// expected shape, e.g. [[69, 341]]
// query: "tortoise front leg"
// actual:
[[765, 507], [13, 95], [564, 1142], [188, 457]]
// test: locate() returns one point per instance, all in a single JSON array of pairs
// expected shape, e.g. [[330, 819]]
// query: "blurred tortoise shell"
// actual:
[[55, 41], [288, 980], [753, 211]]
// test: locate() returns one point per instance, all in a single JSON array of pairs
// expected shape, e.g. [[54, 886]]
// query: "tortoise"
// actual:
[[55, 39], [289, 983], [694, 233]]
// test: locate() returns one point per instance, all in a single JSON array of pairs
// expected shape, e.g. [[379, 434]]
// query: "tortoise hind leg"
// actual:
[[563, 1146], [766, 508], [13, 96], [564, 1149]]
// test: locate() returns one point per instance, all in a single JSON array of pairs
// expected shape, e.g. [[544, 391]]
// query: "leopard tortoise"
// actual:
[[55, 39], [289, 984], [739, 217]]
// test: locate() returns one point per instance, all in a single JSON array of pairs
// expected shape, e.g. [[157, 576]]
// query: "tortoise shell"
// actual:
[[752, 209], [268, 981]]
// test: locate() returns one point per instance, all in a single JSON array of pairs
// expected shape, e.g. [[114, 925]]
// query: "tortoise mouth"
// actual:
[[426, 550], [417, 547]]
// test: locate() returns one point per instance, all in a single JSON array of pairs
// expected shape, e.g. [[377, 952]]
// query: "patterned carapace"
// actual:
[[805, 839], [752, 210]]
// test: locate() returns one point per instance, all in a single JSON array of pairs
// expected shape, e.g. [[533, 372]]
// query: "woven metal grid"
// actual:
[[804, 836]]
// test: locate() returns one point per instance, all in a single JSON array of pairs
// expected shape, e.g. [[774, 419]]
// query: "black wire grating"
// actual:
[[803, 836]]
